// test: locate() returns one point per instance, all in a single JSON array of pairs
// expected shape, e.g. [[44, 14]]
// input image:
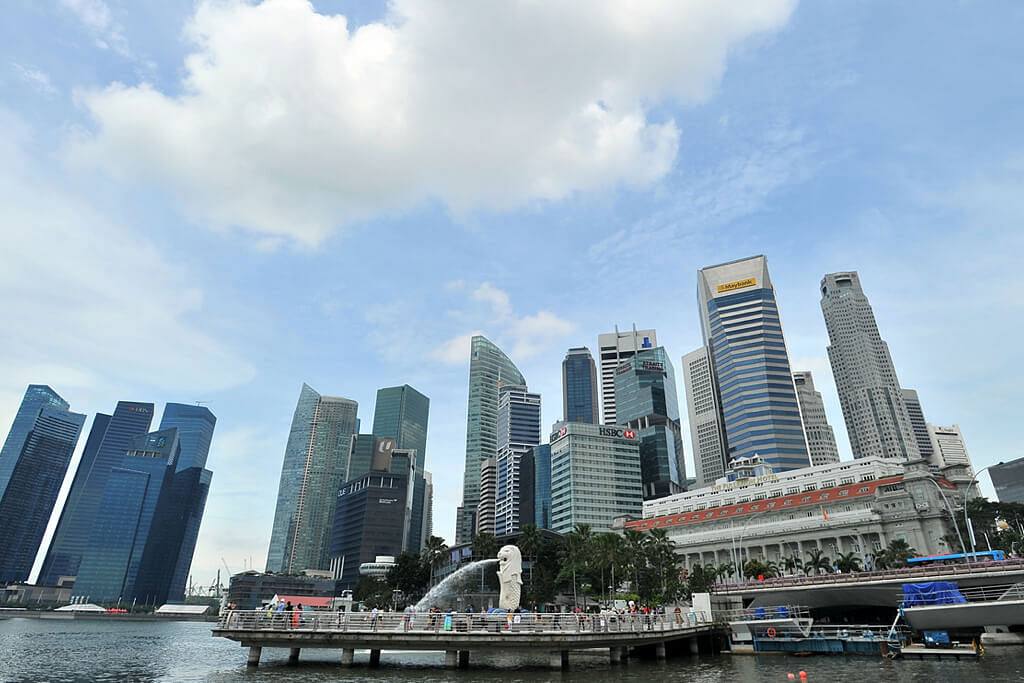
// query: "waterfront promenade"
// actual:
[[459, 634]]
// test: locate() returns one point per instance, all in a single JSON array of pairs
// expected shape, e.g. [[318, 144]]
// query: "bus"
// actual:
[[958, 558]]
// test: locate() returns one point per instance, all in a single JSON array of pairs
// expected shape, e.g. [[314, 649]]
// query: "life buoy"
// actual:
[[770, 632]]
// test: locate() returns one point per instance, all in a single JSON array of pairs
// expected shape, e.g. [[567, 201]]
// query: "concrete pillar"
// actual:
[[615, 654], [659, 650], [347, 655], [463, 659], [254, 655], [559, 659], [374, 657], [694, 644], [293, 655], [451, 658]]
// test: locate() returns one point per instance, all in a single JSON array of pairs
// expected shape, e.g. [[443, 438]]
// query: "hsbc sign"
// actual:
[[621, 433]]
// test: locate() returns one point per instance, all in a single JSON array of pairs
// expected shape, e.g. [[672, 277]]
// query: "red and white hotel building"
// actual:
[[857, 506]]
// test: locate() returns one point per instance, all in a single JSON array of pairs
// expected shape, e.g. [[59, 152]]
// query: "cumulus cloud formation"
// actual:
[[82, 291], [521, 336], [290, 124]]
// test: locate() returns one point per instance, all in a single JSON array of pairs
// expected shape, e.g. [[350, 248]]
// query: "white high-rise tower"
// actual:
[[613, 348], [869, 392], [821, 440]]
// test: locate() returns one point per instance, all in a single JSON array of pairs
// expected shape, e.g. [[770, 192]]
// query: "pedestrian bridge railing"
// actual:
[[456, 623]]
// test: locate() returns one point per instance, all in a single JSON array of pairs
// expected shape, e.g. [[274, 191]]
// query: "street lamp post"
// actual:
[[967, 519], [952, 515]]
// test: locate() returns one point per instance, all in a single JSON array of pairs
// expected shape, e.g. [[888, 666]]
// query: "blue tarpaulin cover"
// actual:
[[931, 593]]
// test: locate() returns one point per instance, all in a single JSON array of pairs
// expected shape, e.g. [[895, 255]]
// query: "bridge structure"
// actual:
[[869, 589], [459, 634]]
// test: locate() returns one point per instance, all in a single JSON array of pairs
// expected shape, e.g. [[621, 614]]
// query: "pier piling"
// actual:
[[254, 655], [374, 657], [293, 655], [347, 655]]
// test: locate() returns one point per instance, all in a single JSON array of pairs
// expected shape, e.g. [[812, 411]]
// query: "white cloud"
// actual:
[[95, 15], [497, 299], [82, 291], [522, 337], [290, 124], [38, 80], [455, 351]]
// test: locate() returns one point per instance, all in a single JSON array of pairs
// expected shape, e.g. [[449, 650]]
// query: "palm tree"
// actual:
[[529, 544], [725, 570], [898, 552], [792, 563], [484, 546], [610, 549], [577, 547], [433, 554], [662, 551], [816, 563], [848, 562], [636, 543]]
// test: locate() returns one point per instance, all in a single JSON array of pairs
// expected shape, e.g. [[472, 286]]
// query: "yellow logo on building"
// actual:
[[739, 284]]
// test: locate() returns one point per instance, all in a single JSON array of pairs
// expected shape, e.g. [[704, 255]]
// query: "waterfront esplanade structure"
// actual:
[[857, 506], [489, 368], [740, 323]]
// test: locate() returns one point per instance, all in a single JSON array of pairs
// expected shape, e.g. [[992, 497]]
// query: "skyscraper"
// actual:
[[313, 470], [869, 392], [741, 327], [540, 462], [195, 424], [37, 396], [615, 347], [821, 440], [579, 387], [948, 447], [124, 519], [401, 413], [1008, 480], [518, 432], [706, 433], [646, 401], [595, 475], [32, 483], [489, 368], [488, 492], [108, 441], [918, 424]]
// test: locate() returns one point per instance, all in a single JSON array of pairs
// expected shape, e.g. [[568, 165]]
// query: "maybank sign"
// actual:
[[738, 284]]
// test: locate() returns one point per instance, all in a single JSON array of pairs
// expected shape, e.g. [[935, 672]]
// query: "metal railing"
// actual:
[[902, 573], [867, 632], [456, 623], [762, 613]]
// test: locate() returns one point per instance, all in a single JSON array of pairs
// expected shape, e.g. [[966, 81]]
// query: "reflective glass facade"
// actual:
[[369, 520], [489, 367], [579, 387], [647, 402], [31, 489], [742, 329], [541, 461], [108, 441], [37, 396], [518, 432], [124, 519], [195, 426], [401, 413], [313, 470]]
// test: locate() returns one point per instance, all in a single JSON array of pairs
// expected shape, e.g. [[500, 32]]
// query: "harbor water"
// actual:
[[84, 650]]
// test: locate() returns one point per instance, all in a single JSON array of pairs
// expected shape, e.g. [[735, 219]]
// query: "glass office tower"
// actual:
[[646, 401], [401, 413], [313, 470], [518, 432], [741, 327], [489, 368], [579, 387], [195, 424], [32, 484], [108, 441]]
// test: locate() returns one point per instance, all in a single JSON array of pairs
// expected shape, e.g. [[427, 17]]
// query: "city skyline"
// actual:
[[581, 187]]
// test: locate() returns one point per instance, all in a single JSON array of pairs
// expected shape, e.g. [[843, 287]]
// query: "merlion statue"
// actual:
[[510, 576]]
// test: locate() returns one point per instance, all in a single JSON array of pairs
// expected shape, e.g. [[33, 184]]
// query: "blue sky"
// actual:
[[218, 201]]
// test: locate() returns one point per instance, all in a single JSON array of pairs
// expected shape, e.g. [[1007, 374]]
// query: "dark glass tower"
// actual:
[[579, 386], [37, 396], [195, 426], [401, 413], [124, 519], [646, 401], [108, 441], [31, 487]]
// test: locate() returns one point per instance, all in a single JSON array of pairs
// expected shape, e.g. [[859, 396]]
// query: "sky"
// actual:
[[220, 200]]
